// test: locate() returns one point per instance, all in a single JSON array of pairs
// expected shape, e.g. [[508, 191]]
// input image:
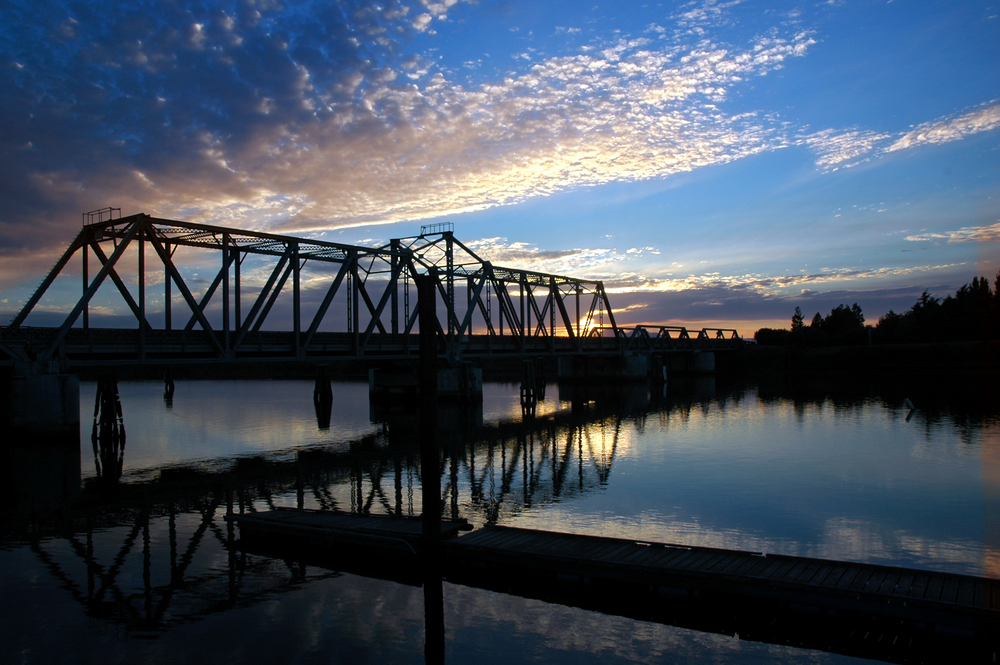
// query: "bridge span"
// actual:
[[343, 301]]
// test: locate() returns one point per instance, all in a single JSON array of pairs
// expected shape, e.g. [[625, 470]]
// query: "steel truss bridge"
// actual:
[[346, 301]]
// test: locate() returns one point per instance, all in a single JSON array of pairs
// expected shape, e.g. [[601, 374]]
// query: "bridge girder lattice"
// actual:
[[519, 311]]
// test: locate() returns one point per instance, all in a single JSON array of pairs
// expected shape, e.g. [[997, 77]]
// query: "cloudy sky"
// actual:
[[712, 161]]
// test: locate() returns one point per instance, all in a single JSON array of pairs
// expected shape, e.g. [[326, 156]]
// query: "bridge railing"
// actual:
[[677, 338]]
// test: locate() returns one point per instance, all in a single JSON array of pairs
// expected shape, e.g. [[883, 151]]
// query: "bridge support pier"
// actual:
[[463, 382], [603, 368], [43, 403], [693, 362], [40, 458]]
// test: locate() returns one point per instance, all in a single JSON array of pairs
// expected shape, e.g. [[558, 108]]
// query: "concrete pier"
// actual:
[[694, 362], [44, 402], [40, 456], [604, 368], [463, 382]]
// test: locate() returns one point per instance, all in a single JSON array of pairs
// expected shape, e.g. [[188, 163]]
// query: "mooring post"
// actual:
[[529, 390], [168, 388], [323, 397], [108, 432], [430, 470]]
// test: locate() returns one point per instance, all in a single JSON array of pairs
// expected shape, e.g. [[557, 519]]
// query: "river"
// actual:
[[844, 472]]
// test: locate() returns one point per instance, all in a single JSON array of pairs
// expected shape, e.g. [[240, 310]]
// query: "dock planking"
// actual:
[[319, 529], [916, 606], [941, 598]]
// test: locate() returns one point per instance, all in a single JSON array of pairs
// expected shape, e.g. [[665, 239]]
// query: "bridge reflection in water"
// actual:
[[145, 553], [155, 553]]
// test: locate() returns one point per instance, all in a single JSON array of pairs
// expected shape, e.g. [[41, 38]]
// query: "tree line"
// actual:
[[973, 313]]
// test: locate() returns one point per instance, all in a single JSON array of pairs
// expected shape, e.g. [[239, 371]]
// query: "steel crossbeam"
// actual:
[[515, 309]]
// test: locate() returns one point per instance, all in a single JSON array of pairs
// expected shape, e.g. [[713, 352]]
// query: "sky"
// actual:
[[713, 162]]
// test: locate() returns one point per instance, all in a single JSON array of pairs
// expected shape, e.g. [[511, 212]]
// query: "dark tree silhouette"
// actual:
[[797, 319], [973, 313]]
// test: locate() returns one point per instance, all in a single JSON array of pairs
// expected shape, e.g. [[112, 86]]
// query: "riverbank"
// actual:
[[979, 359]]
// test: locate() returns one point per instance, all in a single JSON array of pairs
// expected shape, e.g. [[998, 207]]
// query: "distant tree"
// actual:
[[968, 315], [995, 319], [928, 319], [797, 323], [772, 337], [845, 325], [889, 329], [973, 313]]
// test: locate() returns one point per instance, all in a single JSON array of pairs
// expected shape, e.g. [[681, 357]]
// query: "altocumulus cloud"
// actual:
[[316, 114], [844, 149], [989, 233], [763, 285]]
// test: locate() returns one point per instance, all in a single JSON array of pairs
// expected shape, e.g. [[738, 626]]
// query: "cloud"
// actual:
[[320, 115], [764, 285], [982, 119], [501, 252], [709, 13], [840, 150], [965, 234], [844, 149]]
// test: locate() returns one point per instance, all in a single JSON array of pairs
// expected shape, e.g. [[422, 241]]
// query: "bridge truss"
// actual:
[[346, 300]]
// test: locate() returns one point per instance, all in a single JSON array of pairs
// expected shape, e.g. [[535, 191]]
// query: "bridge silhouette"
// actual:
[[346, 301]]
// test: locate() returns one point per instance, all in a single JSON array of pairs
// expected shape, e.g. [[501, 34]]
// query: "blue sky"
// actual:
[[712, 162]]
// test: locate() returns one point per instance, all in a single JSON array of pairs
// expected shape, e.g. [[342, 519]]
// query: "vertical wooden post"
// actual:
[[142, 293], [296, 301], [166, 289], [520, 283], [394, 280], [450, 285], [578, 313], [553, 297], [236, 288], [469, 304], [225, 292], [354, 303], [430, 470], [86, 283]]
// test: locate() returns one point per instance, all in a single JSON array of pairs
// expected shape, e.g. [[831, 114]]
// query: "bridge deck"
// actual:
[[110, 345]]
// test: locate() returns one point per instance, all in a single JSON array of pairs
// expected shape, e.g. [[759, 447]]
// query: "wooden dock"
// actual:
[[961, 601], [315, 529], [885, 612]]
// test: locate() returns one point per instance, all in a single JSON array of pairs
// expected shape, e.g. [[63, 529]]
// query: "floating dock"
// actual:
[[317, 529], [886, 612]]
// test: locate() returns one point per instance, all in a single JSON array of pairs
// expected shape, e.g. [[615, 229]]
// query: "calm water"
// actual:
[[847, 474]]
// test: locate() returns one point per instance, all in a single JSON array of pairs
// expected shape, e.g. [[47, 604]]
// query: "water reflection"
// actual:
[[823, 472]]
